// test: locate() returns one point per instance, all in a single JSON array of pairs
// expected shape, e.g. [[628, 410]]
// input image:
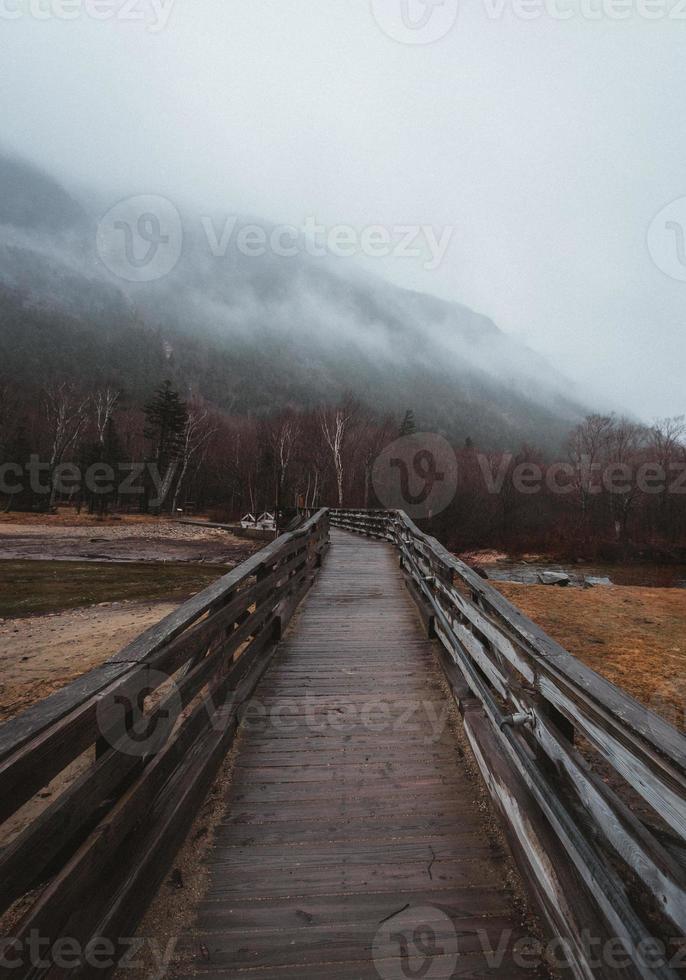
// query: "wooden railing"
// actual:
[[127, 753], [590, 784]]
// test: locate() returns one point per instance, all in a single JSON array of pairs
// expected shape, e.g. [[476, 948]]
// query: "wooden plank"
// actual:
[[543, 864], [178, 774], [494, 649], [349, 822]]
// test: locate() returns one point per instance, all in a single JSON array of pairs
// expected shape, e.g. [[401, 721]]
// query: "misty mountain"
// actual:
[[251, 334]]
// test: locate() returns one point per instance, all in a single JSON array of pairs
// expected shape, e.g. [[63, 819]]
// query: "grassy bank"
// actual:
[[31, 587], [636, 637]]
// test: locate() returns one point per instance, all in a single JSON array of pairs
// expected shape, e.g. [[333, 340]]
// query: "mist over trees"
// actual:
[[247, 384], [251, 335]]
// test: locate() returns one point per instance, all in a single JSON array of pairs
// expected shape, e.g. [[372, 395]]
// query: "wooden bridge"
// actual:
[[355, 843]]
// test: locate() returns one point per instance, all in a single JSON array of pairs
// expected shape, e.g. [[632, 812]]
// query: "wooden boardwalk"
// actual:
[[352, 845]]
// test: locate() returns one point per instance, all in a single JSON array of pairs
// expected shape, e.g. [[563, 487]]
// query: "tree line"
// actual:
[[616, 488]]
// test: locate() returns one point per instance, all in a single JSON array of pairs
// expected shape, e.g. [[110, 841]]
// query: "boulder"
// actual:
[[554, 578]]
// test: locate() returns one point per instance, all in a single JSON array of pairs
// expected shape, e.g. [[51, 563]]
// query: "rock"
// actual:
[[553, 578], [592, 580]]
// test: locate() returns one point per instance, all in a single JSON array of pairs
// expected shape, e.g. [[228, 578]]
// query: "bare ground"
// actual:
[[129, 538], [40, 654]]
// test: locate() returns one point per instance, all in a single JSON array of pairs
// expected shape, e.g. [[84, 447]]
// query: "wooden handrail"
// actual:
[[527, 700], [105, 842], [546, 732]]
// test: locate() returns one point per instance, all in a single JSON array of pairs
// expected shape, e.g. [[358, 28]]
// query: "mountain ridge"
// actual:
[[256, 334]]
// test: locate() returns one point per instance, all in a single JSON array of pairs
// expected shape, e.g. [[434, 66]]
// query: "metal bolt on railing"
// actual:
[[518, 720]]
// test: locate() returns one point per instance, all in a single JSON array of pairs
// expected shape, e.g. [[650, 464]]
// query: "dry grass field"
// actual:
[[636, 637]]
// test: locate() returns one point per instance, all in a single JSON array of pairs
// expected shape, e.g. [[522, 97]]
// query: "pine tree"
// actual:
[[409, 425], [166, 416]]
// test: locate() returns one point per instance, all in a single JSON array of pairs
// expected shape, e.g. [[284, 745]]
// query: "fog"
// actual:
[[546, 145]]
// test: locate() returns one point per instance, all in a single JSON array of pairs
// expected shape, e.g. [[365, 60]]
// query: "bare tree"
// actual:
[[587, 445], [66, 413], [625, 442], [196, 436], [666, 438], [373, 439], [248, 463], [335, 424], [104, 400], [667, 449], [283, 436]]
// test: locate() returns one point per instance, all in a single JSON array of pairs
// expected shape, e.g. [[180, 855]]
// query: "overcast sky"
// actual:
[[549, 145]]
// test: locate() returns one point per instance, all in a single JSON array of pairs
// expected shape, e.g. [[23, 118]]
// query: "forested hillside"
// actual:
[[254, 335]]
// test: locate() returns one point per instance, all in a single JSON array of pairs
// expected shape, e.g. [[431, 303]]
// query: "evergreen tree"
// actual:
[[409, 425], [166, 416]]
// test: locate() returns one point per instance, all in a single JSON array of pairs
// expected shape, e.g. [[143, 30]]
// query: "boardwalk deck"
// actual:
[[353, 845]]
